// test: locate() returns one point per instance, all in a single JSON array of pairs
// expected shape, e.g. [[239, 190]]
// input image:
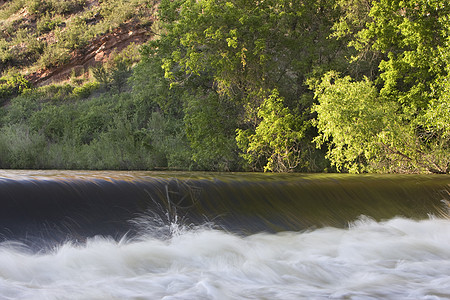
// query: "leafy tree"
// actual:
[[247, 45], [360, 58], [275, 144], [353, 121], [243, 50], [396, 124], [210, 121], [413, 35]]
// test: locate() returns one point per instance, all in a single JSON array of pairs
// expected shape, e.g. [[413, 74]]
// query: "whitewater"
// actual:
[[395, 259]]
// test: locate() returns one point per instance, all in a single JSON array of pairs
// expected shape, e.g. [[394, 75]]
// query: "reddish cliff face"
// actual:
[[99, 50]]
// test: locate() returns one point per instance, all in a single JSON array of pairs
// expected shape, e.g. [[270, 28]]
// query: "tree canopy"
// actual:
[[398, 119], [244, 51]]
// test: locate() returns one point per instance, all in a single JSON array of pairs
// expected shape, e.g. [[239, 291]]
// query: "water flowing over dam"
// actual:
[[173, 235]]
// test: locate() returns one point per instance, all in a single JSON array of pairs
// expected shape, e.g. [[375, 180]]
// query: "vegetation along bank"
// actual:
[[304, 86]]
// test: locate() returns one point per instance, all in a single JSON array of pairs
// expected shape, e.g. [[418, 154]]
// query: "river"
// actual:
[[181, 235]]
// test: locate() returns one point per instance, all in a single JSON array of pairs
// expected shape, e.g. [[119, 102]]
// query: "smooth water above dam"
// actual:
[[173, 235]]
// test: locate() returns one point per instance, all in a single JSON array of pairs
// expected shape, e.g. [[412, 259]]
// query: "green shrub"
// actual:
[[210, 122], [119, 75], [21, 148], [5, 55], [66, 6], [46, 23], [10, 7], [54, 122], [75, 36], [12, 85], [55, 93], [115, 77], [85, 90], [38, 7], [101, 75], [53, 56], [22, 107], [91, 123], [63, 7], [33, 51]]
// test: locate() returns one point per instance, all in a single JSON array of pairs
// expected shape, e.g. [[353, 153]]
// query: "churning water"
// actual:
[[396, 259], [295, 237]]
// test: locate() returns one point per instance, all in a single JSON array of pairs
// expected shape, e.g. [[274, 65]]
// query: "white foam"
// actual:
[[396, 259]]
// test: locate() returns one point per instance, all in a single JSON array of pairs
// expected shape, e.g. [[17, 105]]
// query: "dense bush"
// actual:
[[12, 86], [61, 126]]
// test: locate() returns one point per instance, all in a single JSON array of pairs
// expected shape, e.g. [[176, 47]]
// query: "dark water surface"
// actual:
[[58, 206], [172, 235]]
